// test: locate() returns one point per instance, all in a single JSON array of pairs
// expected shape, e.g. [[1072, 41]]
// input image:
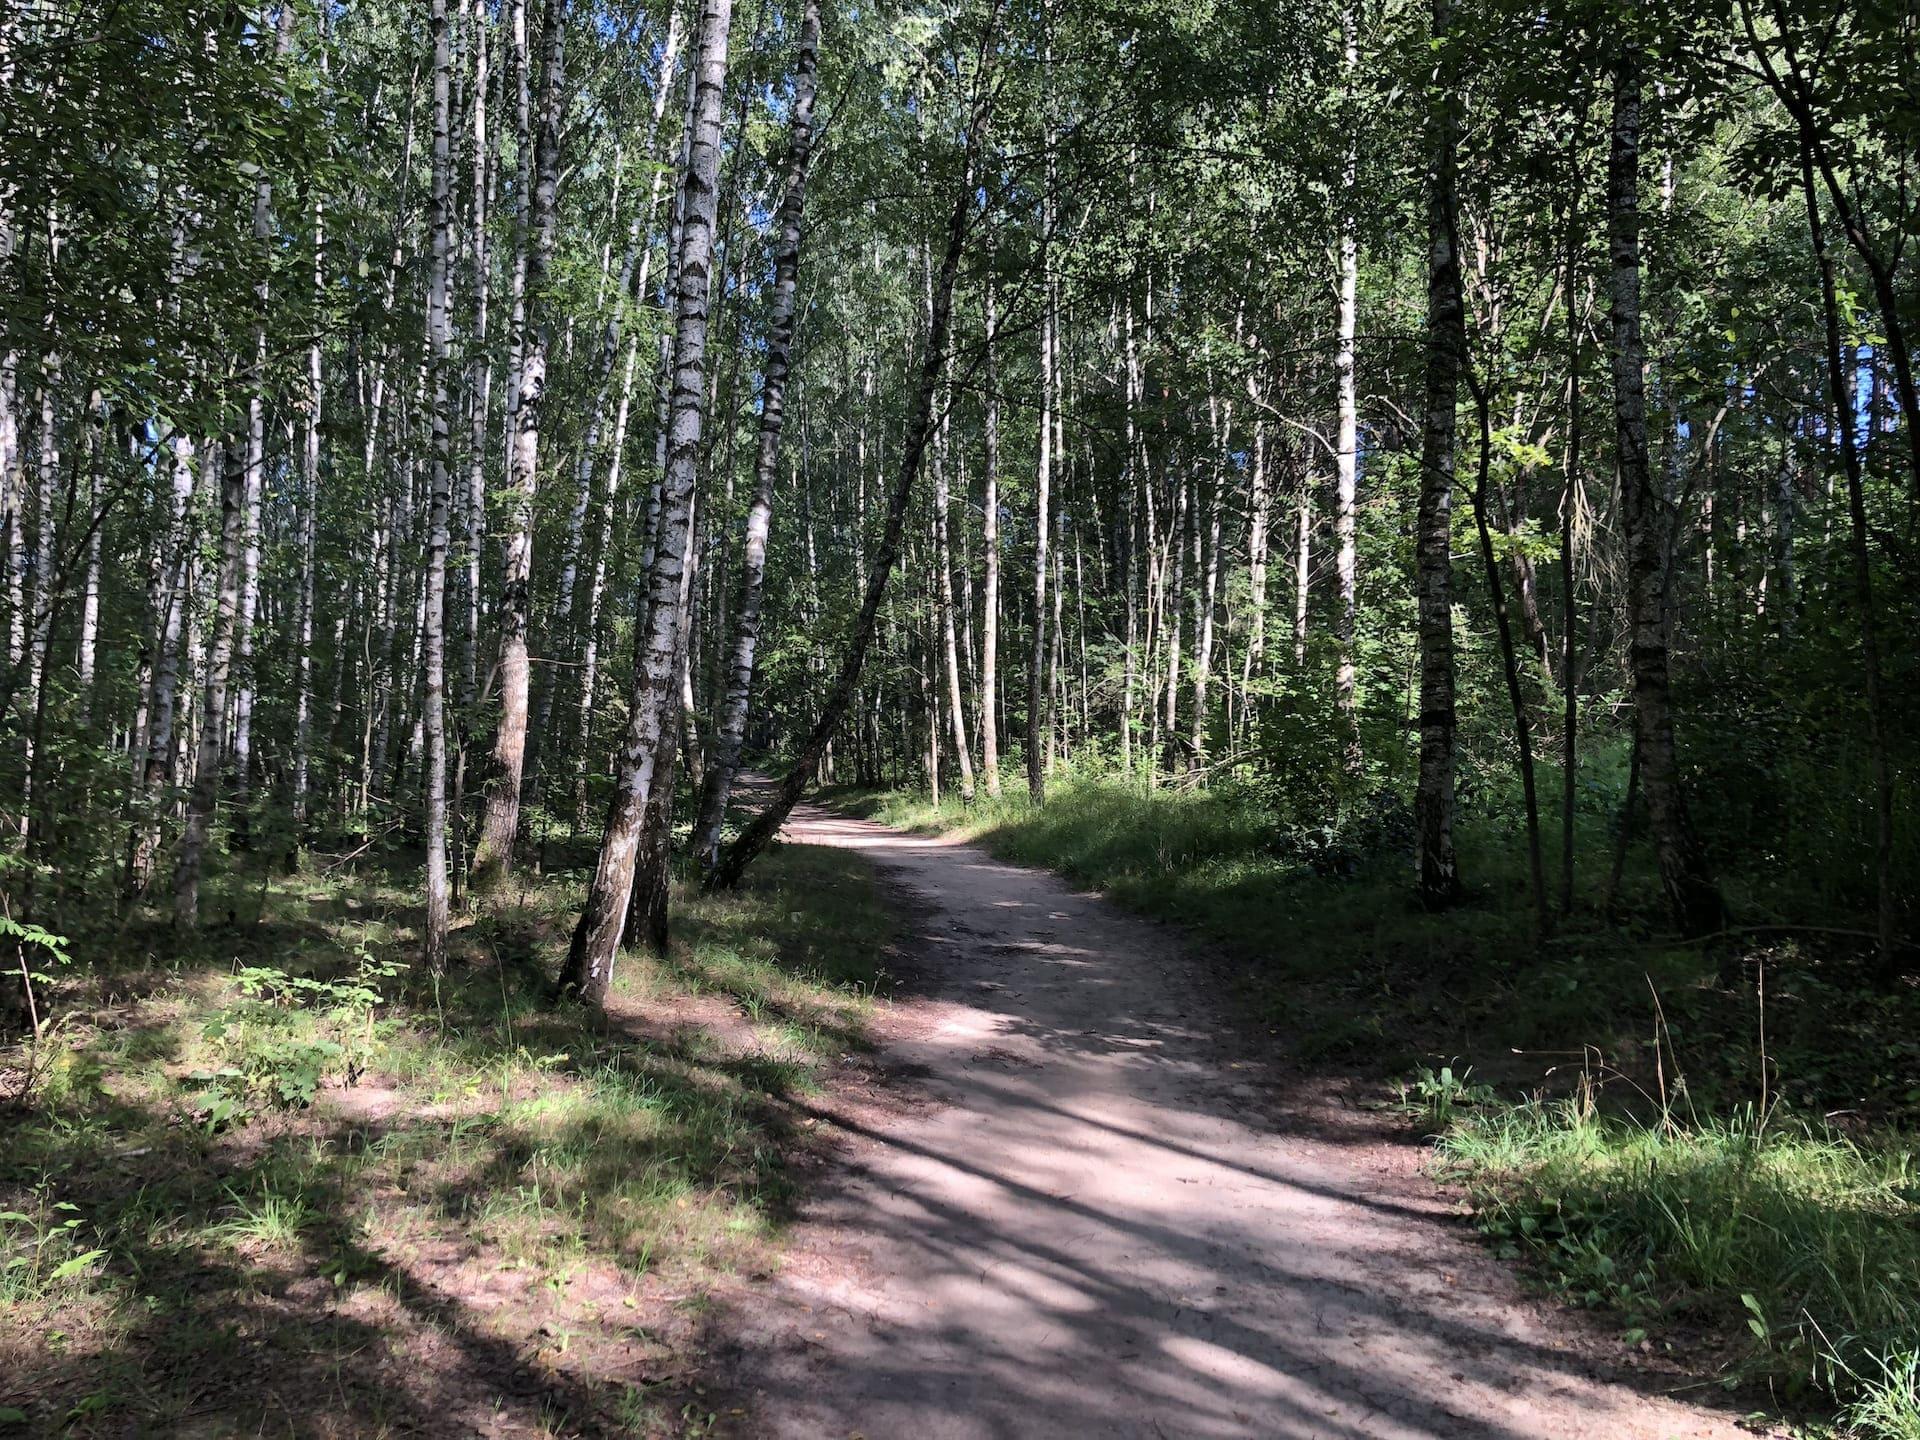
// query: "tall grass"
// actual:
[[1807, 1239]]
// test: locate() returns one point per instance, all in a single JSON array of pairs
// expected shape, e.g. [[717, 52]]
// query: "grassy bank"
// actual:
[[281, 1175], [1796, 1238], [1725, 1166]]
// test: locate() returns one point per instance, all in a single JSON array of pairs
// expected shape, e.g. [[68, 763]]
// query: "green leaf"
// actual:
[[73, 1267]]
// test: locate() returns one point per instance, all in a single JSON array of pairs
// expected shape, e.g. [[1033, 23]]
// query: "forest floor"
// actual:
[[958, 1151], [269, 1181]]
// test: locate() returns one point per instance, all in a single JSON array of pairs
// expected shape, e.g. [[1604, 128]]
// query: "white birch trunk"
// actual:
[[439, 503], [1347, 437], [731, 729], [1037, 722], [589, 967], [990, 554], [213, 695], [493, 858]]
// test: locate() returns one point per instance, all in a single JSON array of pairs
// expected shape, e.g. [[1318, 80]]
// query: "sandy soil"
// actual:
[[1100, 1213]]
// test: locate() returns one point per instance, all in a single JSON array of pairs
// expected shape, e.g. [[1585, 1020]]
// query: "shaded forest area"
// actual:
[[1424, 494]]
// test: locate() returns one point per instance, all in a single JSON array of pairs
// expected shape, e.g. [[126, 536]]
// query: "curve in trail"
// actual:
[[1095, 1221]]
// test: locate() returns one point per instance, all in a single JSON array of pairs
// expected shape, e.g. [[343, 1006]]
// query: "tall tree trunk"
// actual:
[[1179, 537], [1569, 506], [484, 161], [479, 382], [647, 904], [1689, 886], [1037, 722], [943, 595], [1302, 565], [170, 626], [597, 584], [990, 557], [1267, 452], [43, 561], [1437, 871], [1207, 599], [730, 732], [589, 965], [93, 459], [243, 696], [1509, 659], [493, 857], [439, 504], [213, 695], [309, 502], [1139, 560], [520, 65], [1347, 423], [1056, 643]]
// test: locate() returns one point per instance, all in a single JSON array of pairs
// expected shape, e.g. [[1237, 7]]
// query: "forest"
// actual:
[[573, 567]]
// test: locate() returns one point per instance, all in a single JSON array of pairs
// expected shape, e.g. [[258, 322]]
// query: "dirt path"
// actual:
[[1093, 1221]]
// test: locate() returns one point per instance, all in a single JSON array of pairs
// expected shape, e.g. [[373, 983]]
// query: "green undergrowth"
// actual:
[[1599, 1094], [1804, 1238], [283, 1169], [1330, 950]]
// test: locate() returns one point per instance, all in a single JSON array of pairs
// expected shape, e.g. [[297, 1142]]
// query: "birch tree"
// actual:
[[730, 729], [493, 856], [596, 938], [1690, 889]]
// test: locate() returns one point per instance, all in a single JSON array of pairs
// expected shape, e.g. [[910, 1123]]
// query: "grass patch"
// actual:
[[1802, 1236], [282, 1173]]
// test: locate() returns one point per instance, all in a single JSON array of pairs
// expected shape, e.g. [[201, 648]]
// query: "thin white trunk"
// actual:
[[1259, 527], [480, 376], [990, 551], [494, 856], [1302, 567], [943, 564], [1042, 524], [597, 585], [439, 503], [256, 463], [213, 695], [731, 730], [309, 529], [88, 659], [1347, 440]]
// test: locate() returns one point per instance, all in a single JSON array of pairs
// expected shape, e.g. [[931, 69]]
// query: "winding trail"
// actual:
[[1095, 1218]]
